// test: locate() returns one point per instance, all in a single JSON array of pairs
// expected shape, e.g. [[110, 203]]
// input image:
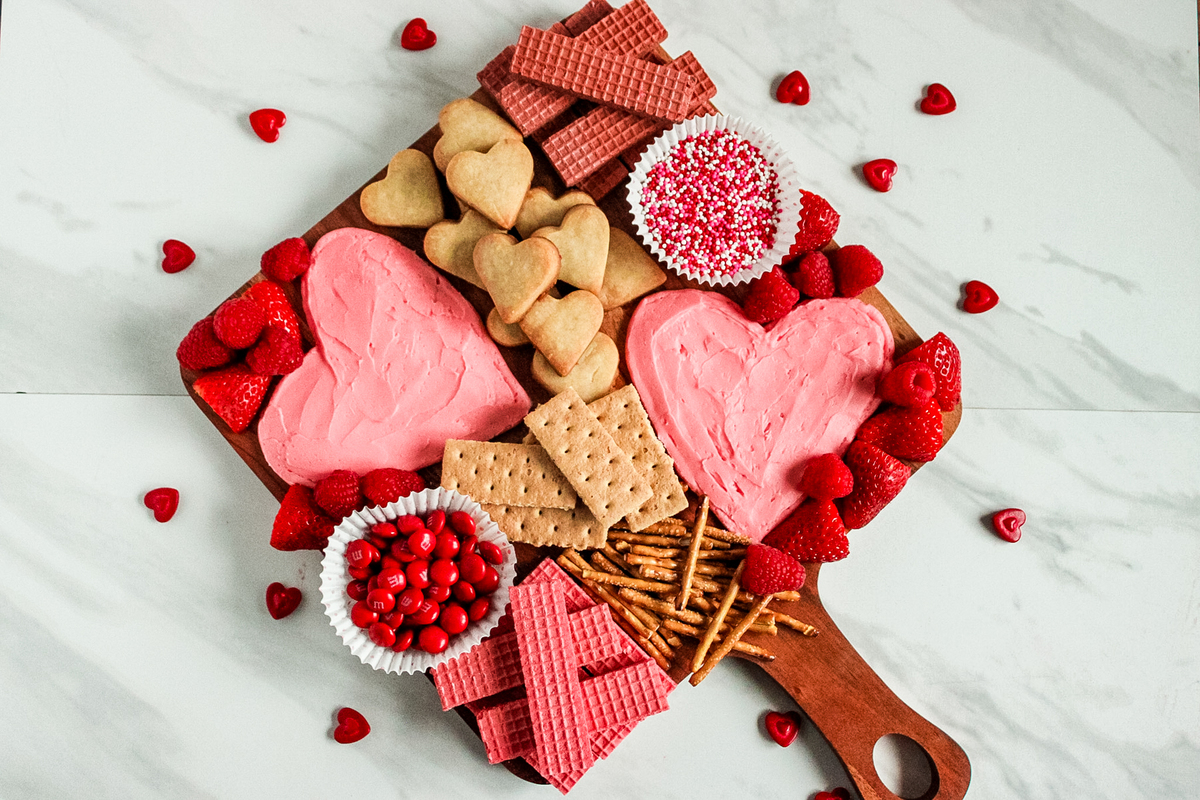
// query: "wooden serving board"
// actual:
[[839, 692]]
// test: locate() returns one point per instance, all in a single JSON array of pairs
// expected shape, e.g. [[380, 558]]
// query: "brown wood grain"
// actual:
[[847, 702]]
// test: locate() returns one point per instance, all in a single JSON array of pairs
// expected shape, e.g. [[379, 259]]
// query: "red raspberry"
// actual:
[[234, 393], [878, 478], [277, 353], [813, 276], [273, 300], [855, 269], [818, 223], [826, 477], [769, 570], [201, 349], [287, 260], [910, 384], [238, 322], [770, 298], [338, 494], [299, 524], [911, 433], [387, 485], [813, 532], [941, 354]]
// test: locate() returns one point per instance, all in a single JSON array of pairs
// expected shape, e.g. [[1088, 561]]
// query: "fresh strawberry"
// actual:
[[277, 352], [910, 384], [826, 477], [272, 299], [818, 223], [201, 349], [770, 297], [911, 433], [941, 354], [386, 485], [235, 393], [769, 570], [287, 260], [813, 532], [813, 276], [855, 268], [238, 322], [299, 524], [338, 494], [878, 478]]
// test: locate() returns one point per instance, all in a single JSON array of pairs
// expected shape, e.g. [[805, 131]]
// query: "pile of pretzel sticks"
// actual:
[[670, 581]]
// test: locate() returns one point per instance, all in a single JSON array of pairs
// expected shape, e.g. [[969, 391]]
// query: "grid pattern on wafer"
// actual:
[[641, 87], [531, 106], [548, 571], [605, 179], [506, 730], [632, 29], [592, 12], [495, 75], [585, 146], [551, 678]]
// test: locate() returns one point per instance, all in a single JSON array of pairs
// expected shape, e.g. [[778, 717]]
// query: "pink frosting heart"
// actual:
[[741, 408], [402, 364]]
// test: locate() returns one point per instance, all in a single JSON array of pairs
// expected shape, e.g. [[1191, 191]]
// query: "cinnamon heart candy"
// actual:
[[782, 727], [793, 89], [1007, 524], [177, 256], [938, 100], [879, 173], [163, 502], [282, 600], [978, 297], [417, 36], [266, 123], [840, 793], [352, 726]]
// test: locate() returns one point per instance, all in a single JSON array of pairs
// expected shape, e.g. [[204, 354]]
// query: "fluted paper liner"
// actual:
[[335, 576], [786, 223]]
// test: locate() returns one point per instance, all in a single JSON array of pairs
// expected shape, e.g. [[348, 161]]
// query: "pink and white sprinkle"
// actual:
[[712, 203]]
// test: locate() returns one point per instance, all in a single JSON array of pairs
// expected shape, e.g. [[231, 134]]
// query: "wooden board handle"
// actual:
[[853, 708]]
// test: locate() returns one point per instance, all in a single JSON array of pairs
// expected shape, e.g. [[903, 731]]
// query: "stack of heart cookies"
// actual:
[[552, 265]]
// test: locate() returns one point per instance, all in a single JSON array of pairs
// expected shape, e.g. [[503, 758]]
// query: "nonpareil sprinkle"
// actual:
[[712, 203]]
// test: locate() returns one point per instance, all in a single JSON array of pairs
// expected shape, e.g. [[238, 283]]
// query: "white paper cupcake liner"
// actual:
[[786, 224], [335, 576]]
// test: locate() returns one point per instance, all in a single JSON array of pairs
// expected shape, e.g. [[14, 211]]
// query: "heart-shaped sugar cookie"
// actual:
[[629, 272], [493, 183], [503, 333], [542, 209], [467, 125], [582, 242], [593, 375], [450, 244], [401, 364], [408, 196], [515, 275], [562, 329], [742, 408]]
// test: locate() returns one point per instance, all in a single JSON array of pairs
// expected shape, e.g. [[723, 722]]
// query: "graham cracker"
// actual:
[[549, 527], [624, 417], [505, 474]]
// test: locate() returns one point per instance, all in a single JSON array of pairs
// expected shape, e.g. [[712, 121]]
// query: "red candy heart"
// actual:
[[177, 256], [417, 36], [282, 600], [1007, 524], [352, 726], [162, 502], [782, 727], [978, 297], [879, 173], [839, 793], [266, 123], [938, 100], [793, 89]]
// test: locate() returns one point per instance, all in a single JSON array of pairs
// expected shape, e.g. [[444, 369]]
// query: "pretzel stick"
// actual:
[[732, 554], [713, 570], [794, 624], [669, 527], [747, 599], [714, 624], [661, 606], [621, 580], [600, 562], [620, 546], [615, 557], [665, 563], [629, 622], [662, 541], [680, 626], [689, 569], [729, 641], [727, 536]]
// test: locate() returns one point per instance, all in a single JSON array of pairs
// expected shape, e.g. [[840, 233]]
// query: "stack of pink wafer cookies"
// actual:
[[558, 684], [601, 56]]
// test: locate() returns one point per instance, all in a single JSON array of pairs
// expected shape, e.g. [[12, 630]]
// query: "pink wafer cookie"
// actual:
[[628, 82], [548, 659], [605, 179], [496, 74], [632, 29], [591, 13], [548, 570]]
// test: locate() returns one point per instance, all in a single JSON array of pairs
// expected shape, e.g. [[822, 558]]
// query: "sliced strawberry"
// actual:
[[878, 478], [338, 494], [826, 477], [911, 433], [299, 524], [941, 354], [273, 300], [813, 532], [770, 298], [818, 223], [235, 393], [769, 570]]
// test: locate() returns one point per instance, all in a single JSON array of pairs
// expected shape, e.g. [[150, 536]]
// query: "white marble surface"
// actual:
[[137, 659]]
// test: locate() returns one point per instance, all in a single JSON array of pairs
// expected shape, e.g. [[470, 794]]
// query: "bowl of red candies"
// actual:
[[412, 584]]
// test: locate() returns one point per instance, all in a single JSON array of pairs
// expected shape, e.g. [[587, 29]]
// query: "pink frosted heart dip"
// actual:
[[742, 408], [402, 364]]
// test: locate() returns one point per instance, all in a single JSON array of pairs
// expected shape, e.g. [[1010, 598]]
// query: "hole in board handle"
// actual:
[[905, 767]]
